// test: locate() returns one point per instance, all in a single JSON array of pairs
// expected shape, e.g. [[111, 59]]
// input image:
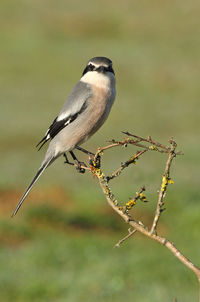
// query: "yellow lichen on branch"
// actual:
[[165, 181]]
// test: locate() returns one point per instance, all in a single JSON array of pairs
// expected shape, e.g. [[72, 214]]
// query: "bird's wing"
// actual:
[[75, 104]]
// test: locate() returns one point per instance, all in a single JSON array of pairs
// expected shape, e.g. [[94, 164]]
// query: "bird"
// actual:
[[84, 112]]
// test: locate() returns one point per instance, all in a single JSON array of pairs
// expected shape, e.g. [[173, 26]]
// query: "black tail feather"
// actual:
[[42, 142]]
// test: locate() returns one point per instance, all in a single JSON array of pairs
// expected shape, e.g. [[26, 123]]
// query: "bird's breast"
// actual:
[[101, 101]]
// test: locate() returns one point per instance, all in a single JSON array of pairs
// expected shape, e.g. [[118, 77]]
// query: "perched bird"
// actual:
[[84, 112]]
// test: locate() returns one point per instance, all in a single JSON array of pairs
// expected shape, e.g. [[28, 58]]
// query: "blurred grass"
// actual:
[[60, 246]]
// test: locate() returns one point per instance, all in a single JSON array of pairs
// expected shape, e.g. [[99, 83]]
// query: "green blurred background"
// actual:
[[60, 245]]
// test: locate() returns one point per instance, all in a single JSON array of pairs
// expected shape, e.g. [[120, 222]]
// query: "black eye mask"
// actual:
[[102, 69]]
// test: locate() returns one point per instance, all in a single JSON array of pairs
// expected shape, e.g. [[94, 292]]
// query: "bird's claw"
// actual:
[[67, 162], [80, 166]]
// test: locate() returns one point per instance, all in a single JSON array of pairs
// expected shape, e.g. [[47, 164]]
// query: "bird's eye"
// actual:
[[90, 67]]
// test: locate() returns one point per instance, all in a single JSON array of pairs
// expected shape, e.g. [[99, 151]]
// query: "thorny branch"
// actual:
[[146, 144]]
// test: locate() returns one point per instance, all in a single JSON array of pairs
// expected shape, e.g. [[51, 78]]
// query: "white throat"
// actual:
[[99, 79]]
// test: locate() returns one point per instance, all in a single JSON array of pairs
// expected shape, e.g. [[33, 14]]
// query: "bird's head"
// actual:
[[98, 69]]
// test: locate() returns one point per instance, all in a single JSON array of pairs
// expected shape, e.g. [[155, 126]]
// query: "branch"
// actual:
[[123, 211], [165, 181], [139, 227]]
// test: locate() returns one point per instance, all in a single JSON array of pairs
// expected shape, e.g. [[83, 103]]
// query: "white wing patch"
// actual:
[[63, 116]]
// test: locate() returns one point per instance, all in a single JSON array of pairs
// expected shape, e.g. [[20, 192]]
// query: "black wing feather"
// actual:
[[57, 126]]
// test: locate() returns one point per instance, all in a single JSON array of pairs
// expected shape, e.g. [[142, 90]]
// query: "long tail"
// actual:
[[38, 174]]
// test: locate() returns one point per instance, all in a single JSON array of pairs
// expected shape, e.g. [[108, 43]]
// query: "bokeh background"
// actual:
[[60, 245]]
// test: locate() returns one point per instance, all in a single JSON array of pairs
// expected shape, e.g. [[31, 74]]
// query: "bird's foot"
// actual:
[[80, 166], [67, 161]]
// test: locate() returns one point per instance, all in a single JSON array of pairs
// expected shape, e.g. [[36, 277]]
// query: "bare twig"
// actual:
[[148, 140], [137, 142], [130, 233], [114, 144], [152, 142], [81, 166]]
